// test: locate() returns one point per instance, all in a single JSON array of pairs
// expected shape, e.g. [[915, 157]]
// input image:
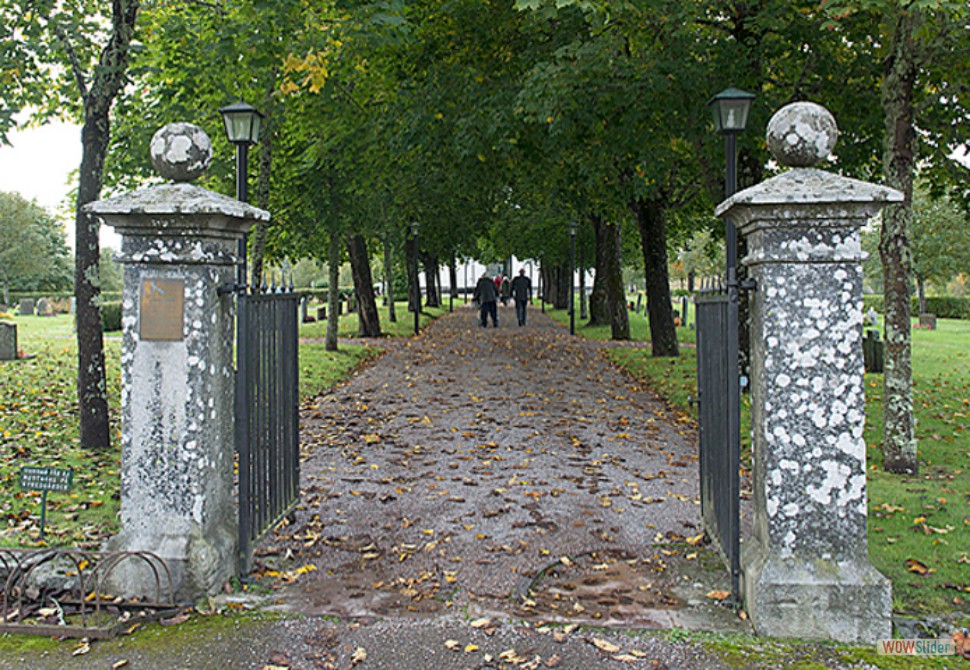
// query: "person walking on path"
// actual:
[[505, 290], [522, 293], [486, 295]]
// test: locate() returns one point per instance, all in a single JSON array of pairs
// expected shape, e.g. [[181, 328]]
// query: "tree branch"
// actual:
[[76, 69]]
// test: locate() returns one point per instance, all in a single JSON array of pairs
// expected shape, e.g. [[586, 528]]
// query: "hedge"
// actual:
[[945, 307], [111, 316], [17, 296]]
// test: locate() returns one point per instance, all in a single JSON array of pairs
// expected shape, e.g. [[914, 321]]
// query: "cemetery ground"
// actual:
[[918, 525]]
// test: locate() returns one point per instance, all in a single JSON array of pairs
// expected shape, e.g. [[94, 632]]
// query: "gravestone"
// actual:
[[927, 321], [873, 351], [27, 307], [8, 341], [44, 307], [806, 570], [179, 252]]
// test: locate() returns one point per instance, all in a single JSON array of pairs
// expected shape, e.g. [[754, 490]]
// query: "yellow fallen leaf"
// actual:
[[471, 648], [454, 645], [481, 623], [82, 648], [359, 656], [565, 560], [119, 664], [912, 565], [695, 540], [603, 645], [718, 594]]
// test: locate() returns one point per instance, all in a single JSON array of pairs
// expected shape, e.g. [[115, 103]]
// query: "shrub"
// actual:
[[945, 307], [111, 316]]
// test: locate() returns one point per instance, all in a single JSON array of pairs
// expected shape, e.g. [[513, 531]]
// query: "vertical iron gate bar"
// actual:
[[718, 419], [242, 433], [267, 411]]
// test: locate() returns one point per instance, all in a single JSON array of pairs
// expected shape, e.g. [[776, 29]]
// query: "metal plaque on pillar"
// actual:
[[162, 309]]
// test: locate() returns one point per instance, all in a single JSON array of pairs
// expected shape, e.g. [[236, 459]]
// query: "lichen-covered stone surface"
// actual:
[[181, 151], [806, 571], [177, 396], [801, 134]]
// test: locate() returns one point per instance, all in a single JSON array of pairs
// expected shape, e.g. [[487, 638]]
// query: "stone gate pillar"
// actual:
[[806, 570], [179, 248]]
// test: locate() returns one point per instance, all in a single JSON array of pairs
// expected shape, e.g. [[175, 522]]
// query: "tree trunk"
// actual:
[[432, 296], [389, 280], [598, 299], [555, 280], [583, 301], [368, 319], [333, 291], [619, 319], [91, 385], [453, 278], [258, 248], [651, 220], [414, 282], [108, 79], [899, 160]]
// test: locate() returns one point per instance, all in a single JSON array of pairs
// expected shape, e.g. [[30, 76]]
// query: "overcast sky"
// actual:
[[39, 165]]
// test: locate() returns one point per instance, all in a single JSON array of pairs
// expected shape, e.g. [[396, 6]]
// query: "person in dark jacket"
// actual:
[[522, 293], [486, 296], [505, 290]]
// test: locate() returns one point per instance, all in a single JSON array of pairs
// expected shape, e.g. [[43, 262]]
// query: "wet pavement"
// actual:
[[477, 498]]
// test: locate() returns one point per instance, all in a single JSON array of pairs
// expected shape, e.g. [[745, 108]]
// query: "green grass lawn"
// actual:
[[918, 526], [38, 422]]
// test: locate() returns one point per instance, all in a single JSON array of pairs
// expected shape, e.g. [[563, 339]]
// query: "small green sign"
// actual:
[[46, 479]]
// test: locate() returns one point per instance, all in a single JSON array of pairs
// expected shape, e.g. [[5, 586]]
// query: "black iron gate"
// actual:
[[267, 414], [719, 421]]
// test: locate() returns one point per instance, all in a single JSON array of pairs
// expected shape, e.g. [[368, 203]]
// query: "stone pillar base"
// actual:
[[847, 601], [197, 565]]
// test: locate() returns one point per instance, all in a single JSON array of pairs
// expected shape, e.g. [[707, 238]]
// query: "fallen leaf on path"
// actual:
[[718, 594], [359, 656], [603, 645]]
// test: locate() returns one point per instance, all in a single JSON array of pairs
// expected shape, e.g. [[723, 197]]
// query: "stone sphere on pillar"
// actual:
[[801, 134], [181, 152]]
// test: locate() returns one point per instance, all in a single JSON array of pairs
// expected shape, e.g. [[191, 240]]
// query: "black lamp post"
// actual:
[[242, 123], [417, 279], [573, 228], [730, 111]]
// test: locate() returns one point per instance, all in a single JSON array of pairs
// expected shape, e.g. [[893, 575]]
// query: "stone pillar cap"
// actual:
[[148, 207], [809, 186]]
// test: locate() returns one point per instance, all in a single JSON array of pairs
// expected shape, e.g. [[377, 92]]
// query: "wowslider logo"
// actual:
[[919, 647]]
